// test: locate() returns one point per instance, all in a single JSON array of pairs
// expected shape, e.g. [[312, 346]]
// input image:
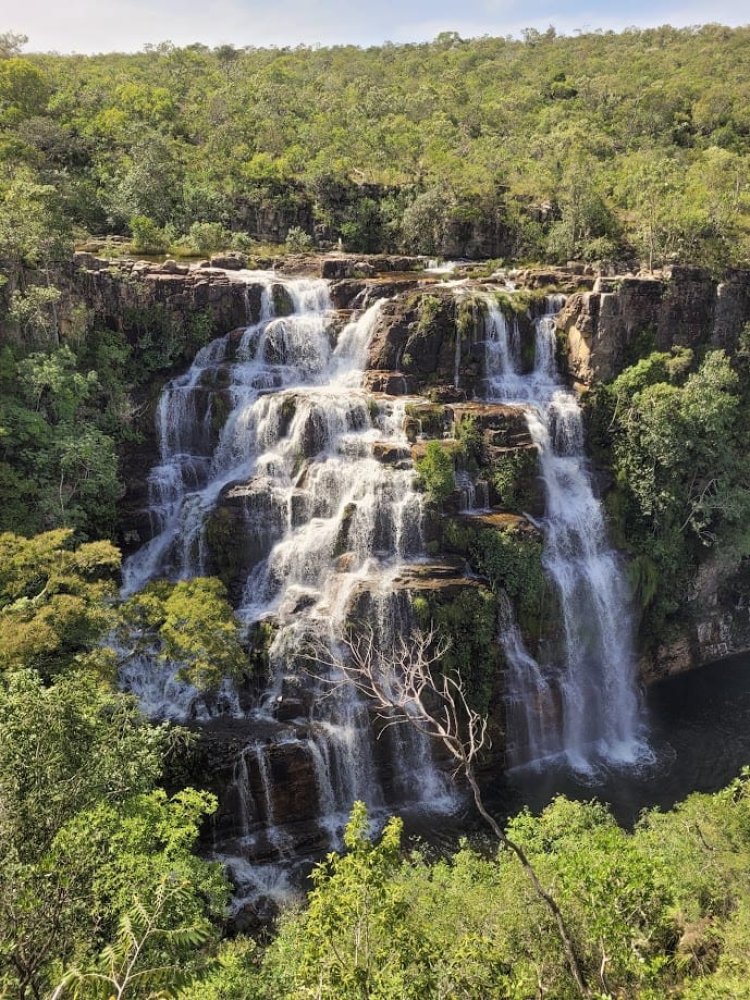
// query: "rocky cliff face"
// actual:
[[427, 345], [623, 317], [715, 623], [481, 571], [607, 329]]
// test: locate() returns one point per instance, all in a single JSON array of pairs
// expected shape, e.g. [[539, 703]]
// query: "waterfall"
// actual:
[[598, 717], [278, 412], [530, 701]]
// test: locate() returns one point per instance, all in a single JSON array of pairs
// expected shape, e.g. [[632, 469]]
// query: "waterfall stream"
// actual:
[[276, 416], [599, 717], [272, 424]]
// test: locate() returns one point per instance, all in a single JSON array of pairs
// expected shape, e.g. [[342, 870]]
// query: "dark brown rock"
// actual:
[[506, 425], [388, 453], [625, 317], [172, 267], [229, 261], [126, 298], [389, 383], [714, 622], [562, 279]]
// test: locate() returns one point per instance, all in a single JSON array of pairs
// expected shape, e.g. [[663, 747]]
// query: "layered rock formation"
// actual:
[[623, 318], [426, 343], [481, 574]]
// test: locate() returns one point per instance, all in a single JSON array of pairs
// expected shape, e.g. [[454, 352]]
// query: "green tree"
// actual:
[[679, 451], [356, 939], [424, 226], [191, 623], [155, 903], [53, 600], [63, 749], [32, 230], [147, 236], [48, 435], [24, 91]]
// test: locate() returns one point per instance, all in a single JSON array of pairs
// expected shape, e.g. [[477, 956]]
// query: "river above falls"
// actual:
[[698, 730]]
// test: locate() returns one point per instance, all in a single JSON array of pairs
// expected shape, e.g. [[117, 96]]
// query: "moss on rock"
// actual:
[[509, 557], [469, 622]]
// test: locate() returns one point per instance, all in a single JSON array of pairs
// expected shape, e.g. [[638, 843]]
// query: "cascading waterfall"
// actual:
[[599, 710], [328, 523]]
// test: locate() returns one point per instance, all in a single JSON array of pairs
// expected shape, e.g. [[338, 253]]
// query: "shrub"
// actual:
[[206, 237], [147, 236], [297, 240], [436, 474]]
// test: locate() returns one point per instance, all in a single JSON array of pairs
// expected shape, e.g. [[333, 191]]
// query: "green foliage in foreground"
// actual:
[[88, 842], [190, 623], [661, 912], [102, 892], [54, 602]]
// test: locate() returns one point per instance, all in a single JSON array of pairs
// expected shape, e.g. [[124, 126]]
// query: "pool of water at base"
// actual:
[[698, 733]]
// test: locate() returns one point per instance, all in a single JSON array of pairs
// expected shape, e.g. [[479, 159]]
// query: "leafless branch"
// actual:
[[400, 682]]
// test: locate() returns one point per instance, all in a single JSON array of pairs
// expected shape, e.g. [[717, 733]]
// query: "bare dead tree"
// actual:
[[401, 684]]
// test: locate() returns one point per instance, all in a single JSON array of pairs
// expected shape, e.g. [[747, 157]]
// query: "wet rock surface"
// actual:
[[715, 625], [607, 322], [426, 356]]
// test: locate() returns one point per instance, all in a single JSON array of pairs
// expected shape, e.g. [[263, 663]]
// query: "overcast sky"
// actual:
[[126, 25]]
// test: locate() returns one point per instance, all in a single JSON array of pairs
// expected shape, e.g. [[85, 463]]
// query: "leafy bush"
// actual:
[[435, 471], [512, 476], [469, 440], [510, 559], [425, 222], [206, 237], [657, 912], [191, 623], [297, 240], [678, 441], [147, 236]]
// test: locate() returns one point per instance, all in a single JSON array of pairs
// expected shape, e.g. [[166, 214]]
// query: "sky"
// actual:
[[126, 25]]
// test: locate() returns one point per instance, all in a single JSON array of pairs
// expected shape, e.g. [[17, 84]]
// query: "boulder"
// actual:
[[346, 268], [389, 383], [172, 267], [389, 453], [229, 261]]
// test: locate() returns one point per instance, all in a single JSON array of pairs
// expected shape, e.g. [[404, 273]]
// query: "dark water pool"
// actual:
[[699, 736]]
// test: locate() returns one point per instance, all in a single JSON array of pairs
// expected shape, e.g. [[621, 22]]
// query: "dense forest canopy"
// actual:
[[624, 146]]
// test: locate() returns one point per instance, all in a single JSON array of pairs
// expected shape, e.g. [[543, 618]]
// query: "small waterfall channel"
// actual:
[[585, 708], [274, 418]]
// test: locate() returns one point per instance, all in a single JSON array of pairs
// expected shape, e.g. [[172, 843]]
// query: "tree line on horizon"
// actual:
[[612, 147]]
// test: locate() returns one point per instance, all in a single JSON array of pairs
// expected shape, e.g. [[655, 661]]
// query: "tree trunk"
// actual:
[[571, 956]]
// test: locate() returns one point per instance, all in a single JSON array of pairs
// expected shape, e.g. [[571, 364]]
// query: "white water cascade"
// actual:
[[589, 703], [277, 415]]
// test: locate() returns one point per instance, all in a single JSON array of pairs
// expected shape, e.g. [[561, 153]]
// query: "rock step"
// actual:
[[389, 453], [390, 383], [499, 519]]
